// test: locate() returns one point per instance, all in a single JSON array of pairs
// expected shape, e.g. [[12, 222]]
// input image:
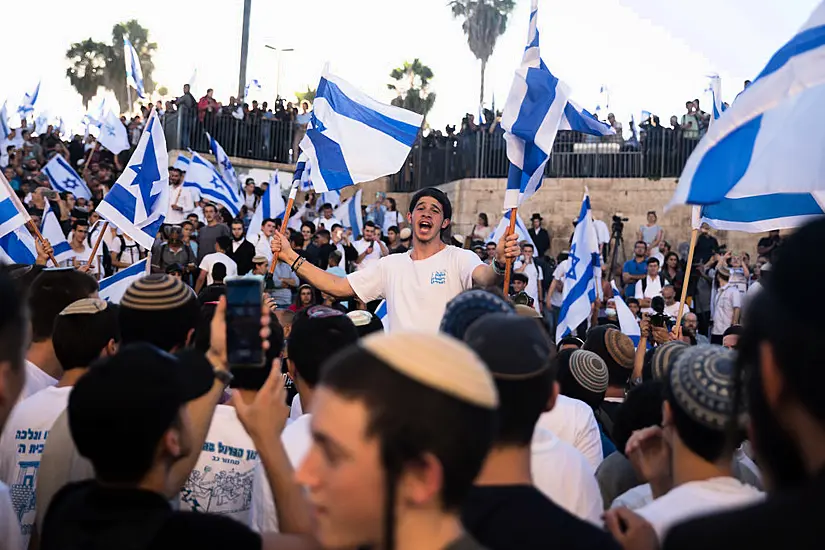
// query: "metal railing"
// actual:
[[253, 137], [436, 159]]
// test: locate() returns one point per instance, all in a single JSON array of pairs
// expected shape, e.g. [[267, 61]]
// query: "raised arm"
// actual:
[[320, 279], [488, 275]]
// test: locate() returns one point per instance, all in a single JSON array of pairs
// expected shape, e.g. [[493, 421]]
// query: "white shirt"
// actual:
[[9, 527], [360, 246], [130, 254], [565, 476], [210, 260], [696, 499], [673, 310], [394, 218], [21, 445], [573, 421], [653, 289], [82, 256], [726, 300], [534, 275], [324, 223], [602, 234], [296, 409], [263, 246], [179, 196], [297, 440], [634, 498], [557, 299], [221, 481], [417, 292], [36, 380]]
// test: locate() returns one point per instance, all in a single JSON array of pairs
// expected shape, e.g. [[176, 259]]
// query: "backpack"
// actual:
[[644, 283]]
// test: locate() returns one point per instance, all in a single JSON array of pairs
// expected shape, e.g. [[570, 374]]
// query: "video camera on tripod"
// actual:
[[618, 224]]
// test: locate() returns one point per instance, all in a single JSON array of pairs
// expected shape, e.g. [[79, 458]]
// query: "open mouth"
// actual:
[[425, 225]]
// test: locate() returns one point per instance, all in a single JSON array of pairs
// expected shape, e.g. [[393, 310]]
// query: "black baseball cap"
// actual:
[[129, 400]]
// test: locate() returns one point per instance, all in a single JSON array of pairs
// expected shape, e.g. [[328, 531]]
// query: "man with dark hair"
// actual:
[[534, 273], [180, 199], [209, 233], [241, 250], [417, 285], [327, 220], [80, 257], [727, 305], [208, 263], [730, 339], [317, 334], [650, 286], [635, 269], [262, 242], [520, 282], [506, 508], [401, 424], [83, 332], [368, 252], [50, 293], [217, 289]]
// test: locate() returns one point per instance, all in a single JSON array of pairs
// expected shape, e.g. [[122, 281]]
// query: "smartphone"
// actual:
[[50, 194], [244, 347]]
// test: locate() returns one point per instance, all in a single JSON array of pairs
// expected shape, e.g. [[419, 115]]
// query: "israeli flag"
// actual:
[[349, 212], [627, 321], [715, 90], [579, 119], [331, 197], [64, 179], [134, 75], [646, 115], [252, 84], [95, 114], [17, 247], [52, 232], [271, 206], [582, 282], [225, 168], [759, 167], [381, 313], [113, 288], [5, 129], [211, 186], [182, 163], [12, 212], [27, 106], [504, 225], [138, 201], [113, 135], [302, 172], [352, 138]]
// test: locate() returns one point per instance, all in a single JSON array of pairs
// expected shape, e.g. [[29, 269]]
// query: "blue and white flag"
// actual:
[[381, 313], [12, 212], [225, 168], [579, 119], [271, 206], [94, 115], [5, 129], [138, 201], [715, 90], [582, 282], [113, 135], [52, 232], [211, 185], [134, 74], [182, 163], [64, 179], [759, 167], [646, 115], [627, 321], [349, 212], [17, 247], [113, 288], [253, 84], [302, 177], [27, 105], [331, 197], [352, 138], [504, 224]]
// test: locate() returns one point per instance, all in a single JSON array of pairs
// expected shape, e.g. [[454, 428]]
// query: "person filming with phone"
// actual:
[[370, 249]]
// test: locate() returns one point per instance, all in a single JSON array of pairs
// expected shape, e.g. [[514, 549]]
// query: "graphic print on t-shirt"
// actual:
[[438, 277], [23, 488]]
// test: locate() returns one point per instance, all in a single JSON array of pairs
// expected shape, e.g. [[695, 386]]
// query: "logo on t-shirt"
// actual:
[[438, 278]]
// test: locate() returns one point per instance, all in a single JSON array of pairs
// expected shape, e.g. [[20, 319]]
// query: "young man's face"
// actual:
[[369, 233], [327, 213], [237, 230], [174, 177], [269, 229], [527, 251], [652, 269], [669, 294], [343, 473], [209, 213], [491, 251], [80, 233], [519, 285], [427, 220], [640, 250]]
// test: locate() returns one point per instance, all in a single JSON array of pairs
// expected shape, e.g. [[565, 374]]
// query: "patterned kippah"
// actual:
[[156, 293], [664, 357], [466, 308], [702, 384], [86, 306], [620, 347], [589, 370]]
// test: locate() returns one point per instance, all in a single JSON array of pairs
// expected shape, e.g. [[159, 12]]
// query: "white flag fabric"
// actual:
[[64, 179], [716, 95], [52, 232], [349, 212], [17, 247], [12, 212], [271, 206], [627, 321], [29, 99], [182, 163], [134, 74], [332, 198], [582, 282], [759, 167], [352, 138], [113, 288], [222, 163], [504, 224], [211, 185], [113, 135], [5, 129], [138, 201]]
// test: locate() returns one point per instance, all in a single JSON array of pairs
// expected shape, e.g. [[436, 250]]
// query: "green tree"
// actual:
[[163, 91], [484, 22], [309, 95], [87, 69], [412, 82]]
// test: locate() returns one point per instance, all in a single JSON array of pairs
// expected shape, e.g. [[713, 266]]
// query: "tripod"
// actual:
[[616, 247]]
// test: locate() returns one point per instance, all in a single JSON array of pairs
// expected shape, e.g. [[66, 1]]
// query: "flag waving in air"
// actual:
[[113, 134], [52, 232], [12, 212], [5, 129], [627, 321], [271, 206], [225, 168], [134, 74], [27, 105], [504, 224], [138, 201], [113, 288], [64, 179], [211, 185], [349, 212]]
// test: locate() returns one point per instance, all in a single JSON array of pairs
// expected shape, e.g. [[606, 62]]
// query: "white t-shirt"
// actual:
[[653, 289], [417, 292], [9, 527], [327, 224], [221, 481], [182, 197], [565, 476], [634, 498], [297, 439], [360, 246], [210, 260], [131, 252], [534, 275], [263, 246], [394, 218], [602, 234], [673, 310], [726, 300], [82, 256], [573, 421], [696, 499], [21, 445], [557, 299], [36, 380]]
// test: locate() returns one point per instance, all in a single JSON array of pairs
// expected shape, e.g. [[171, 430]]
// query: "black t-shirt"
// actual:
[[88, 516], [520, 517], [706, 247]]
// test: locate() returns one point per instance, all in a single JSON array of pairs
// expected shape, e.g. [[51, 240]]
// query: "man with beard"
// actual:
[[180, 199], [417, 285], [241, 250]]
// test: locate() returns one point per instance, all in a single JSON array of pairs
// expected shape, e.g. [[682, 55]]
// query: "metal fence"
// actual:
[[436, 159], [253, 137]]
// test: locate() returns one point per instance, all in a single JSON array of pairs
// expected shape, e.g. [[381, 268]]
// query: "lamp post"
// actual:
[[278, 52]]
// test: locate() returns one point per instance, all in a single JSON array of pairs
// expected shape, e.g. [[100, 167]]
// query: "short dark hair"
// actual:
[[640, 242], [310, 225], [394, 229], [653, 260], [78, 339], [224, 242], [528, 245], [436, 194], [334, 258], [737, 330], [520, 403], [632, 300], [326, 206], [51, 292], [218, 272], [323, 233], [187, 222], [165, 328], [642, 408], [313, 340], [80, 222], [267, 220], [238, 221], [209, 205], [297, 239], [370, 223], [13, 323], [521, 277]]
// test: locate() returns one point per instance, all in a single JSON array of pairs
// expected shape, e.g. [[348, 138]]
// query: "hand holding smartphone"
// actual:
[[244, 346]]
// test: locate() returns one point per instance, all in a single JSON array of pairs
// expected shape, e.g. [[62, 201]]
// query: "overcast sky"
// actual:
[[652, 54]]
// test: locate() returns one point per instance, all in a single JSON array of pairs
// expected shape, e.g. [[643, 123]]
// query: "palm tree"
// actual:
[[308, 96], [412, 85], [88, 67], [484, 22]]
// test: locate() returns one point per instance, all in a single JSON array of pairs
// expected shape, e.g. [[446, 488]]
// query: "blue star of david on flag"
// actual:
[[64, 179], [574, 261]]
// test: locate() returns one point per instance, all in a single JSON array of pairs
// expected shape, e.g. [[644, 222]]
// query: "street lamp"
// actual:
[[278, 51]]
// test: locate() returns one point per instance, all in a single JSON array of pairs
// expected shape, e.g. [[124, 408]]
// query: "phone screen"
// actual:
[[243, 321]]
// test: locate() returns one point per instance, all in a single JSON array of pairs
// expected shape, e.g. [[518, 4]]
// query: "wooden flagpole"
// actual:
[[694, 235], [99, 239], [22, 209], [509, 267], [287, 215], [39, 236]]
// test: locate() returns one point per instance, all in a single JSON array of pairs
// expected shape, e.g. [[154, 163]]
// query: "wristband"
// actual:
[[297, 259], [498, 269]]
